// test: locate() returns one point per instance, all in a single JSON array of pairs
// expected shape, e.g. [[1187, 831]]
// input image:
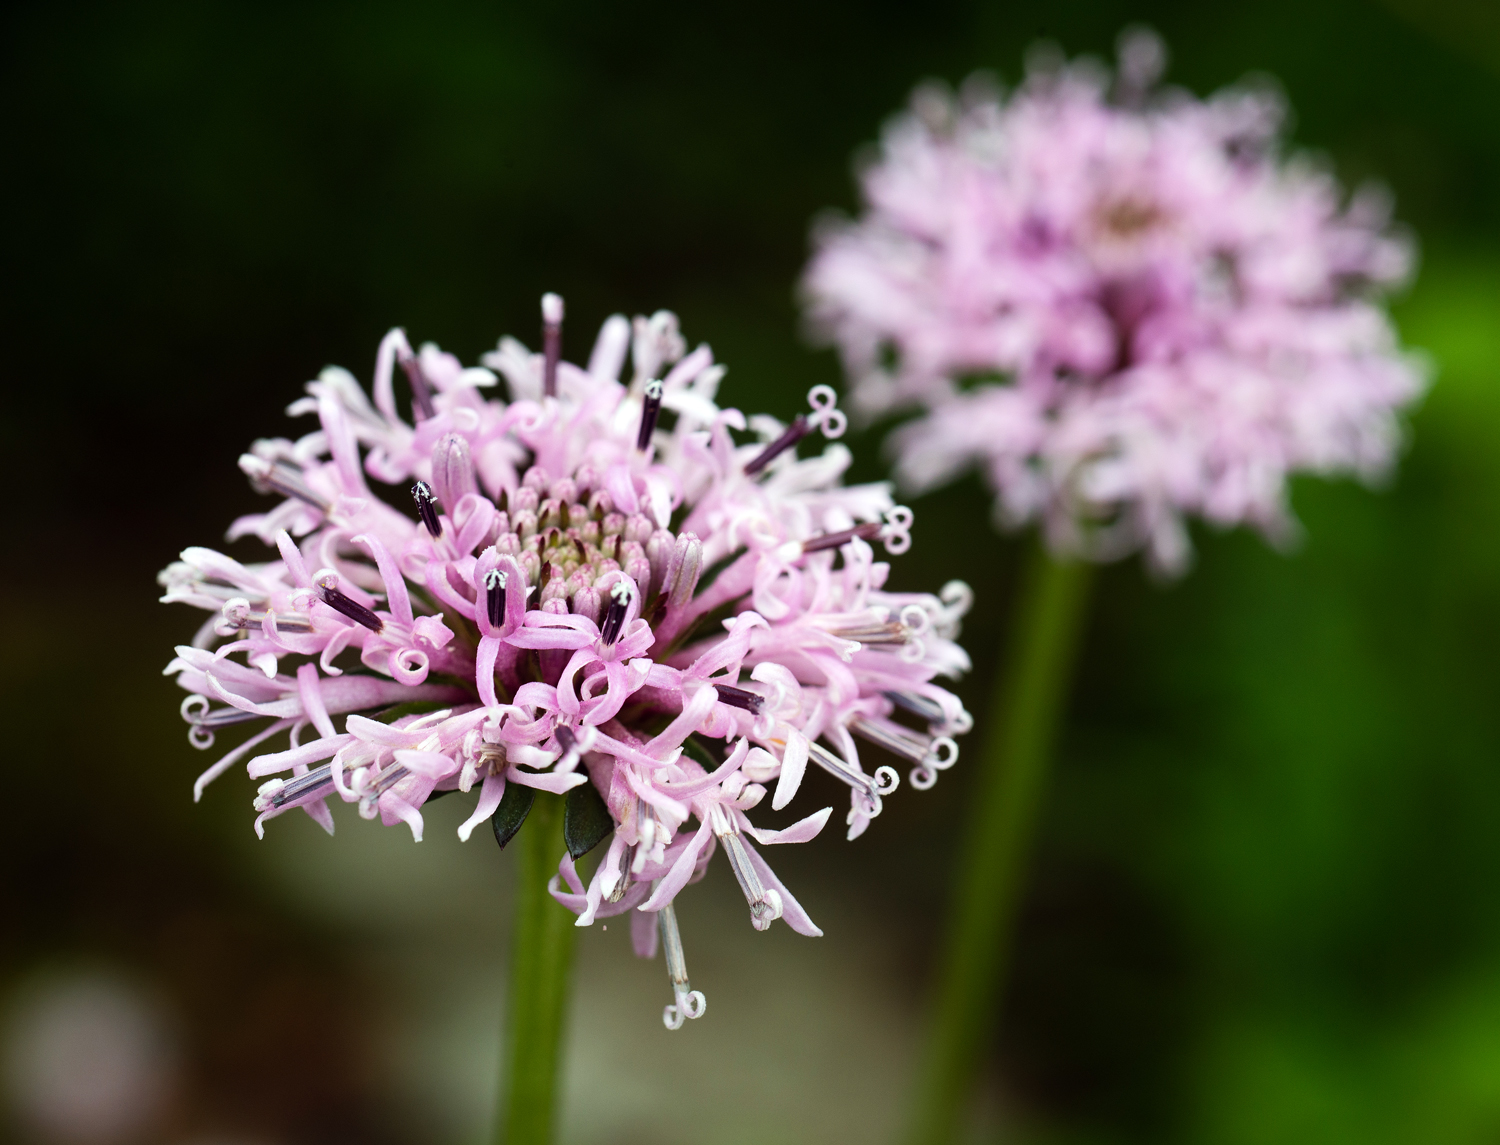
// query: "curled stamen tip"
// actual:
[[689, 1004], [826, 414], [765, 911]]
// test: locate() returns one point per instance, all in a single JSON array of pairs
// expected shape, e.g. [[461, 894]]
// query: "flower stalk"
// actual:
[[541, 962], [1030, 690]]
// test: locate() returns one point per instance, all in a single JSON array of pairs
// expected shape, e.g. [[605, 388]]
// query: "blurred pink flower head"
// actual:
[[1120, 302], [607, 587]]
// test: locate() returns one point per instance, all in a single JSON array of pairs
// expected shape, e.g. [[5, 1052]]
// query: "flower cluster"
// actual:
[[598, 591], [1122, 304]]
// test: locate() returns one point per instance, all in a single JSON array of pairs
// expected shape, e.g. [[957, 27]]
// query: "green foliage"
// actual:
[[586, 820], [515, 805]]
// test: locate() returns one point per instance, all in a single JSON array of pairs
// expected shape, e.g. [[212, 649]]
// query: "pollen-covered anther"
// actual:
[[329, 594], [422, 494], [650, 411], [614, 616], [494, 597]]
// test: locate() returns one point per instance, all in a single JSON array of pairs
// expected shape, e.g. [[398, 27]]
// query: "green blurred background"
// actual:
[[1266, 906]]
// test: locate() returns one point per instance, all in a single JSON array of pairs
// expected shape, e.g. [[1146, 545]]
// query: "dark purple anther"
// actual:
[[565, 739], [650, 411], [355, 611], [739, 698], [421, 395], [795, 432], [494, 596], [427, 507], [614, 616], [833, 540], [552, 317]]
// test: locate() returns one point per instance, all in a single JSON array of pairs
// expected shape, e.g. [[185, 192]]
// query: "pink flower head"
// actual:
[[1124, 306], [610, 588]]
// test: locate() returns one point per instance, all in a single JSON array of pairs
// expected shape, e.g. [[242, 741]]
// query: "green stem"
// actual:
[[540, 960], [1030, 689]]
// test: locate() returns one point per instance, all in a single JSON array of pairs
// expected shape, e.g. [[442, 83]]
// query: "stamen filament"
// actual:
[[907, 744], [765, 906], [552, 317], [919, 706], [890, 633], [300, 785], [290, 622], [873, 787], [868, 531], [689, 1003], [386, 780], [421, 395], [794, 433], [279, 477]]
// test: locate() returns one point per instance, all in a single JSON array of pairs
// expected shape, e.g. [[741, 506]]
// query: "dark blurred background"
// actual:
[[1266, 905]]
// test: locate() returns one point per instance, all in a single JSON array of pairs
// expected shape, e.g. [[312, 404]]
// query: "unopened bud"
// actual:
[[452, 470], [681, 578], [659, 552], [638, 528], [589, 603], [638, 569], [556, 587], [614, 616]]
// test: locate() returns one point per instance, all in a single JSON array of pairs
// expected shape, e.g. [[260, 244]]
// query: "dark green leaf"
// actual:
[[515, 805], [586, 820]]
